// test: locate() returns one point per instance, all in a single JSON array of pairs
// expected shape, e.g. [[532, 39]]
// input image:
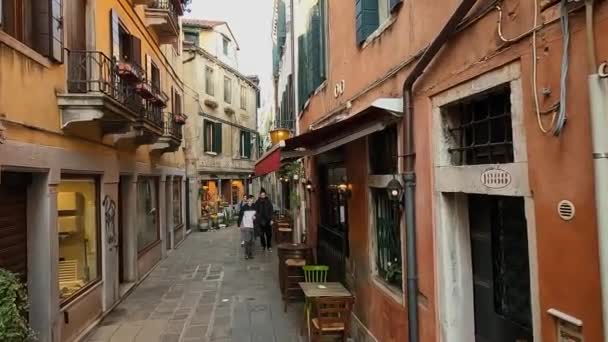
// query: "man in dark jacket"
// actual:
[[263, 217]]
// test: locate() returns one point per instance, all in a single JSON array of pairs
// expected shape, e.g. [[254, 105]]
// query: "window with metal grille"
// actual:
[[388, 238], [479, 128]]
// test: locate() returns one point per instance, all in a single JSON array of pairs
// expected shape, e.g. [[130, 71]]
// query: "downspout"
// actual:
[[598, 92], [409, 176]]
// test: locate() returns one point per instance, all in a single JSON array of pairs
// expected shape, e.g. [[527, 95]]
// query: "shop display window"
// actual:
[[147, 213], [79, 235]]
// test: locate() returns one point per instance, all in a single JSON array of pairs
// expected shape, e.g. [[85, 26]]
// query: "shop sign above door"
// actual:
[[496, 178]]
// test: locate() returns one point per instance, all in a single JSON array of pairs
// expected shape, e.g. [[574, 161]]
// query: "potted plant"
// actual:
[[179, 118], [14, 326]]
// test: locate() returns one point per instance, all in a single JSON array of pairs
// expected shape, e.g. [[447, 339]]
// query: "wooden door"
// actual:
[[13, 223]]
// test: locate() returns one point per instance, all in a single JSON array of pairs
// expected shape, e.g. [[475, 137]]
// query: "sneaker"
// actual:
[[246, 257], [242, 243], [269, 249]]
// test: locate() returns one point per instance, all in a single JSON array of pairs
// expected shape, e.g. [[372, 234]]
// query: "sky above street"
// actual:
[[251, 23]]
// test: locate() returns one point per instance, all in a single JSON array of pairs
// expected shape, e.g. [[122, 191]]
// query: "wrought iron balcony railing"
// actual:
[[174, 8], [94, 72], [153, 114], [172, 128]]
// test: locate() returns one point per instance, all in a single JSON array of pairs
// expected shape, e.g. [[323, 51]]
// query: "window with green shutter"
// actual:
[[370, 14], [367, 18], [217, 138], [245, 144], [312, 52], [212, 136]]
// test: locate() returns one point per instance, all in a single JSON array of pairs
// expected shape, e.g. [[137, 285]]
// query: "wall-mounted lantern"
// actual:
[[395, 190], [309, 186], [345, 188]]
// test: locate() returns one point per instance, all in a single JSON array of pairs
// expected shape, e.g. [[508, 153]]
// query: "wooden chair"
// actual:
[[332, 317], [312, 274], [293, 277]]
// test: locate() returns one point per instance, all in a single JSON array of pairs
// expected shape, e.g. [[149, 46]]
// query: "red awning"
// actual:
[[270, 162]]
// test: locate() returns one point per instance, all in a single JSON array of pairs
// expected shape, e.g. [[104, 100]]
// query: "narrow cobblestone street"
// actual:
[[205, 291]]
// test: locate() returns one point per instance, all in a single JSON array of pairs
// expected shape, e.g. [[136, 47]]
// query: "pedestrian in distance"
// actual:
[[264, 210], [241, 205], [247, 216]]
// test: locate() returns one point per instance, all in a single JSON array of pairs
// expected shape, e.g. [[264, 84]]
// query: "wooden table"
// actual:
[[316, 290]]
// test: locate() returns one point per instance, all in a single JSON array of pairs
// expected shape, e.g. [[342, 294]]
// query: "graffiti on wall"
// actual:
[[109, 214]]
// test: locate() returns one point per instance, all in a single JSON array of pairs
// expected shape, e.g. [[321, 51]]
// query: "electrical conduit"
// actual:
[[409, 176], [598, 102]]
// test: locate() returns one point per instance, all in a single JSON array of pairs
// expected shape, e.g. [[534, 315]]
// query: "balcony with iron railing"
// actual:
[[99, 91], [114, 96], [173, 133], [163, 17]]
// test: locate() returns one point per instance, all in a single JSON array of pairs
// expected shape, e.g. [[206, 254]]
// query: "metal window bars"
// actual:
[[480, 128], [388, 239], [172, 128]]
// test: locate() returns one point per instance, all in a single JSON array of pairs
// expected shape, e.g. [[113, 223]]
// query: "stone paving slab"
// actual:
[[205, 292]]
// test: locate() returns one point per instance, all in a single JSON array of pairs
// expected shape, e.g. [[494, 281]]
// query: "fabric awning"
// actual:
[[269, 162], [382, 113]]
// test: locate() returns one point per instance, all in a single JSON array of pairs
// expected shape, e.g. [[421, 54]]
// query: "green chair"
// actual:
[[313, 274]]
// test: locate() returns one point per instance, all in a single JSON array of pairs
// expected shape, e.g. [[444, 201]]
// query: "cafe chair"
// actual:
[[313, 274], [293, 277], [332, 317]]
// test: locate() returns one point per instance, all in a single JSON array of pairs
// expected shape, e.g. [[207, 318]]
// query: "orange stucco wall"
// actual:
[[559, 168]]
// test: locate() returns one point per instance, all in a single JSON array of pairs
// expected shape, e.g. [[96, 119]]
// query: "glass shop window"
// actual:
[[79, 236], [147, 219]]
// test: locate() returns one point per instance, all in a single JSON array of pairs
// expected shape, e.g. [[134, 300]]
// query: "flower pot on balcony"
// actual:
[[144, 90], [211, 104], [229, 111], [179, 119], [160, 99], [128, 71]]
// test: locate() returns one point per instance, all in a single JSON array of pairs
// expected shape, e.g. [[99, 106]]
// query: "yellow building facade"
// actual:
[[92, 162]]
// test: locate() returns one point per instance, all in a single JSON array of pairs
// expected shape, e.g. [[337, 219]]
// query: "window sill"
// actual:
[[379, 31], [389, 290], [214, 154], [75, 298], [25, 50]]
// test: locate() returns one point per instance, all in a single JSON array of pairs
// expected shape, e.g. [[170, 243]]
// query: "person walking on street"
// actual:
[[264, 212], [247, 215], [241, 205]]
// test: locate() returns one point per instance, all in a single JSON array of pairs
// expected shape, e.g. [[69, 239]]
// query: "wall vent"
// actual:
[[566, 210]]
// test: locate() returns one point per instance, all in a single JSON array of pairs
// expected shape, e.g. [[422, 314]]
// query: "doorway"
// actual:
[[501, 271]]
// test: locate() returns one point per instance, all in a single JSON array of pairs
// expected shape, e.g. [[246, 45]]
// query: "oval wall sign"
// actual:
[[495, 178]]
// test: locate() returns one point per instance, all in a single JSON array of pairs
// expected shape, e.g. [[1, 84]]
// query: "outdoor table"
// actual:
[[292, 251], [316, 290]]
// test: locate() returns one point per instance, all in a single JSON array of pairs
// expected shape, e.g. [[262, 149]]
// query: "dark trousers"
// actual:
[[266, 235]]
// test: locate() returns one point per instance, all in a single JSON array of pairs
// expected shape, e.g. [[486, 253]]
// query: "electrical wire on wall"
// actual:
[[558, 118]]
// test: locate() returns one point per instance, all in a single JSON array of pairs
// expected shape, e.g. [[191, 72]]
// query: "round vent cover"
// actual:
[[566, 210]]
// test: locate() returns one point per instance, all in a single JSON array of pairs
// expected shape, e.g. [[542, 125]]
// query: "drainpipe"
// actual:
[[598, 91], [409, 176]]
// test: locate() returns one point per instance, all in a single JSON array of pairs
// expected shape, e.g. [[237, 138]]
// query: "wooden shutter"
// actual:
[[206, 139], [48, 28], [248, 144], [135, 50], [394, 4], [148, 68], [367, 18], [217, 138], [115, 34], [13, 226], [56, 33]]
